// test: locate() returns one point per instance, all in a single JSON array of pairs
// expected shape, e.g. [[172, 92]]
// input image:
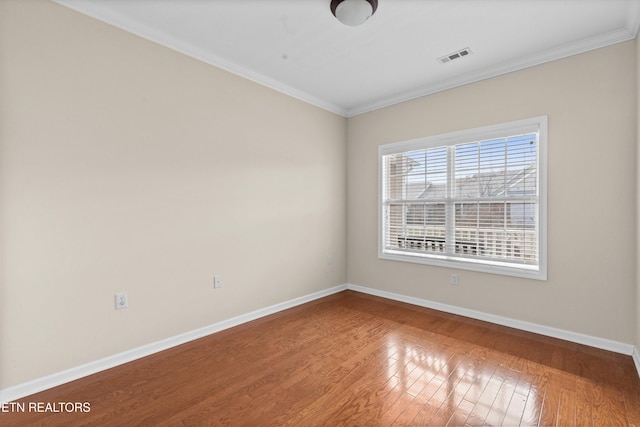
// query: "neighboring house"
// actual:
[[491, 227], [489, 184]]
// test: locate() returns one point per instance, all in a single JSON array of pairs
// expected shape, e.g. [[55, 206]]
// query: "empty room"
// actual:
[[320, 212]]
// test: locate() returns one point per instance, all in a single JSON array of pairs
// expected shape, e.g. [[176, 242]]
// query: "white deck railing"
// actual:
[[508, 243]]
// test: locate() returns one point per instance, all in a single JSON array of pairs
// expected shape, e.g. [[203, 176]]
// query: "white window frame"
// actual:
[[533, 125]]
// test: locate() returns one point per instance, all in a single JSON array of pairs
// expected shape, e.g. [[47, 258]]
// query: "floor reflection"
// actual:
[[469, 389]]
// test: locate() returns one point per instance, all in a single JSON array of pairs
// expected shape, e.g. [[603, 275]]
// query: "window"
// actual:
[[472, 200]]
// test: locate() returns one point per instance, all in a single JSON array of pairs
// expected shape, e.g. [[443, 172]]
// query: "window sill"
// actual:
[[491, 267]]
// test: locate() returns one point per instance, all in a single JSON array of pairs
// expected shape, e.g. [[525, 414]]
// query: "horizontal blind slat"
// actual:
[[493, 193]]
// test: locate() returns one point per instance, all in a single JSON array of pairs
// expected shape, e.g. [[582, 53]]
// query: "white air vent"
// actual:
[[455, 55]]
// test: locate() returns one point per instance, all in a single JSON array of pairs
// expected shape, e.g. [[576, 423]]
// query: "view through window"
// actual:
[[472, 199]]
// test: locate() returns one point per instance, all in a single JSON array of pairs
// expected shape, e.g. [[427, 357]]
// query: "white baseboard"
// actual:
[[21, 390], [562, 334], [636, 359]]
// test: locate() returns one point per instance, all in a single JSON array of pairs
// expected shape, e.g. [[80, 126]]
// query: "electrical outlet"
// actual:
[[217, 282], [454, 279], [122, 301], [330, 260]]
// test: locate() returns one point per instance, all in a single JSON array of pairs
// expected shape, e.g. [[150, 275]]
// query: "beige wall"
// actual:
[[590, 100], [126, 166]]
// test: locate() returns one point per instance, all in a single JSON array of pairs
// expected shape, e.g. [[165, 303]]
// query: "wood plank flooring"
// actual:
[[352, 360]]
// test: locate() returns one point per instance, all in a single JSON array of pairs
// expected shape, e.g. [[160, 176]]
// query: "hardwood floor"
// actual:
[[353, 359]]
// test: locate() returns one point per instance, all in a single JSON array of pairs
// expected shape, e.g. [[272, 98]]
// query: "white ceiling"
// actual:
[[299, 48]]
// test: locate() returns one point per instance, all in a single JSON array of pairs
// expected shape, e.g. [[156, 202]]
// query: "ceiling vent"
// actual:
[[455, 55]]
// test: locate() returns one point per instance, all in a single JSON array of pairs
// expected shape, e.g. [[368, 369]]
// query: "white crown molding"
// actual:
[[633, 19], [562, 334], [582, 46], [26, 389], [106, 15]]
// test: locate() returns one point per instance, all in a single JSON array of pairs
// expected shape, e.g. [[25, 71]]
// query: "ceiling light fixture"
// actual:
[[353, 12]]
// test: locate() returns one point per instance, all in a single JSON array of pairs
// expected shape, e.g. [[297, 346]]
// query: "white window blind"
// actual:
[[474, 199]]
